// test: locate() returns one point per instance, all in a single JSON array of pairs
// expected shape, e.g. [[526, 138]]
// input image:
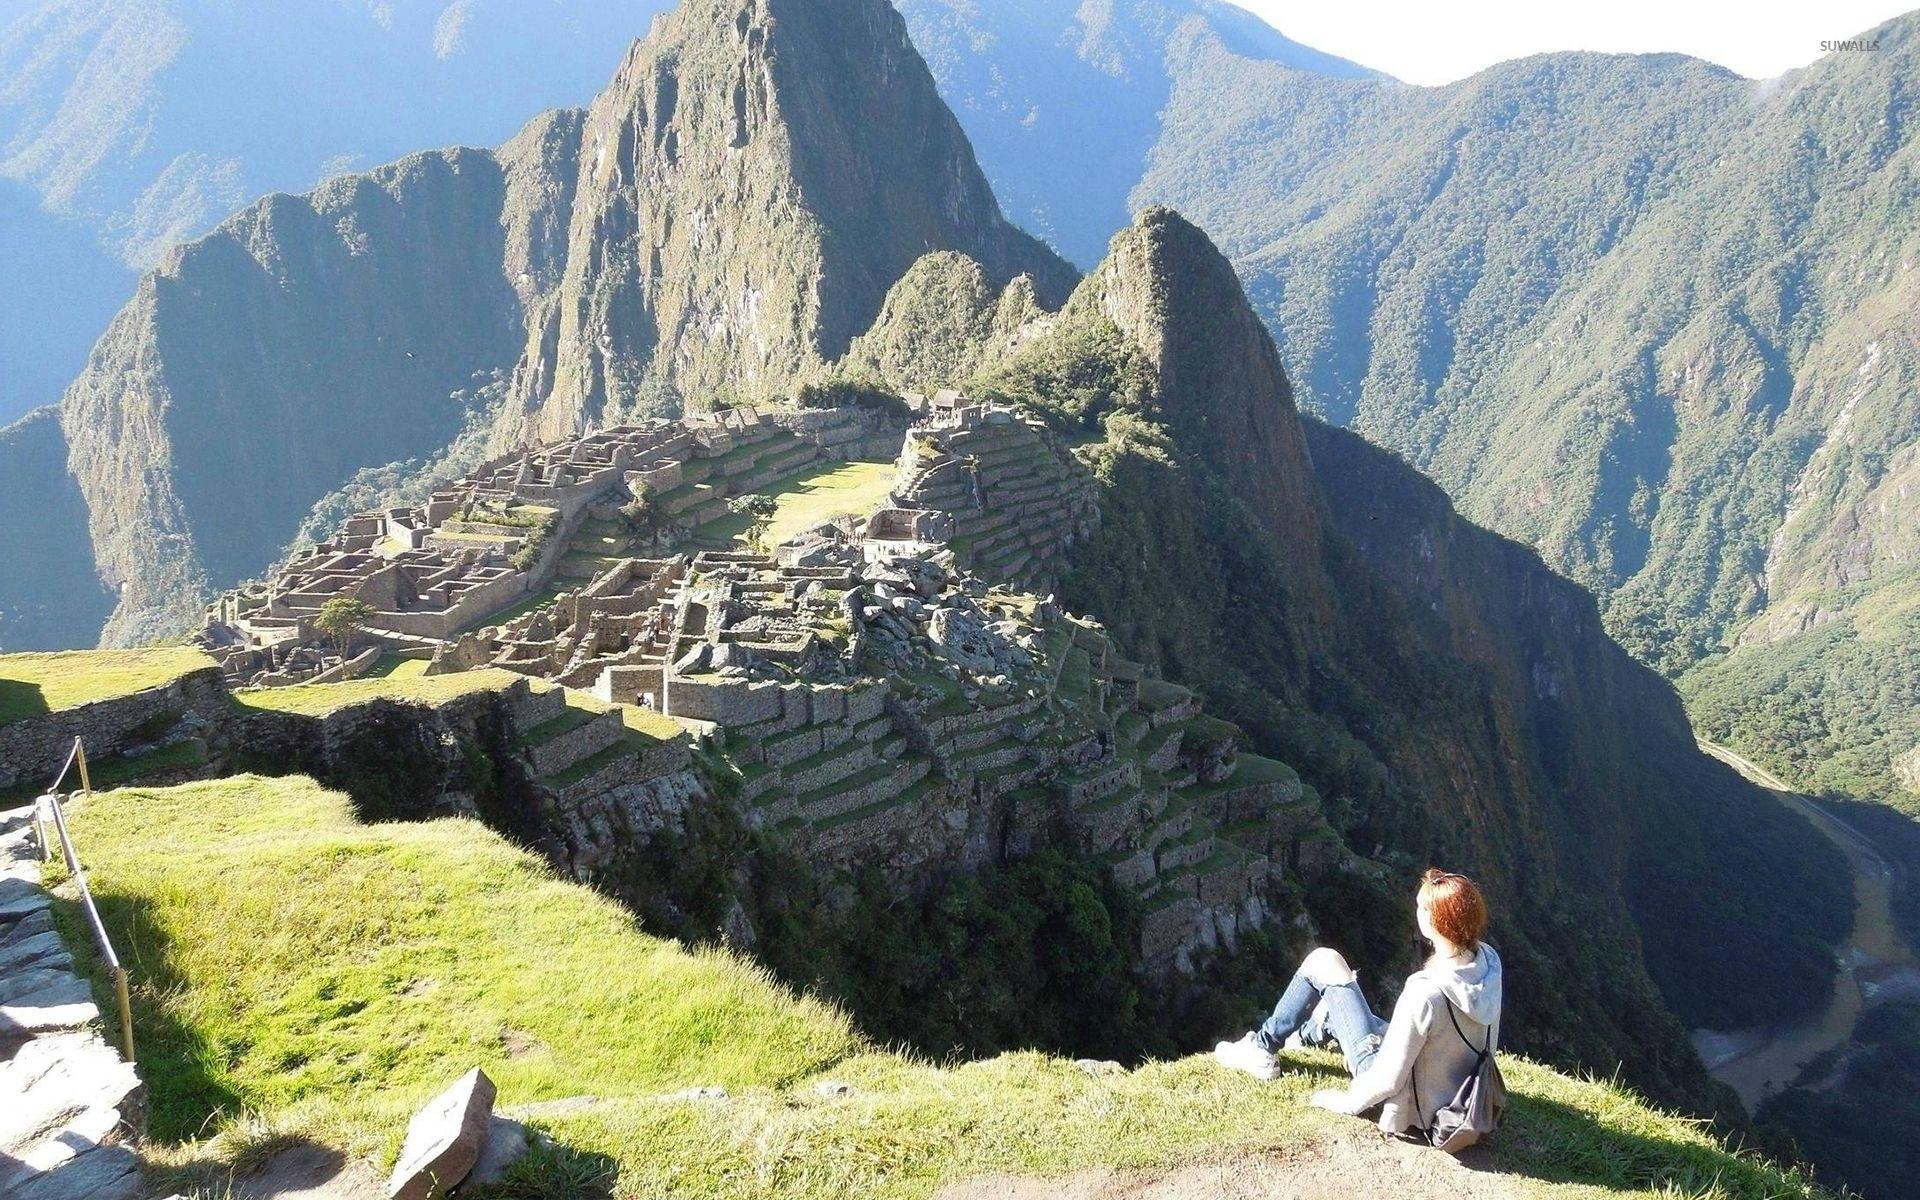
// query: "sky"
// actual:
[[1440, 42]]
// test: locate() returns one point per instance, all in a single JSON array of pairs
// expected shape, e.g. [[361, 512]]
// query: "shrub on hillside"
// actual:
[[854, 393]]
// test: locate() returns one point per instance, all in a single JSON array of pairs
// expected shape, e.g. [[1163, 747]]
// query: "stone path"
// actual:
[[65, 1095]]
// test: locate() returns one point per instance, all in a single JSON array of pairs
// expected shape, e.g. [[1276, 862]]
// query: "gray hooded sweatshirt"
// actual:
[[1420, 1052]]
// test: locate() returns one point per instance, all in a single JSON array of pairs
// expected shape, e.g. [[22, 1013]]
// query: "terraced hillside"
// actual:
[[1019, 500]]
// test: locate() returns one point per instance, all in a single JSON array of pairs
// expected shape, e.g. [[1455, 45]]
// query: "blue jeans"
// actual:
[[1340, 1012]]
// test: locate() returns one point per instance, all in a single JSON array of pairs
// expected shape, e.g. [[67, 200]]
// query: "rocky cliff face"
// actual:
[[722, 222], [755, 180], [307, 338]]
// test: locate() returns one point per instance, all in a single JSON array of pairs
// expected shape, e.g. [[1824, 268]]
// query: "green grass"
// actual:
[[650, 723], [810, 497], [392, 666], [319, 699], [32, 685], [301, 976], [292, 962]]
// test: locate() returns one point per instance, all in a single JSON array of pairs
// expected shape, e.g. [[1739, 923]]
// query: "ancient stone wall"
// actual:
[[32, 750]]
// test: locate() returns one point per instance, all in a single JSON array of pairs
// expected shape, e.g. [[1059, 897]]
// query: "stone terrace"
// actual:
[[1018, 500]]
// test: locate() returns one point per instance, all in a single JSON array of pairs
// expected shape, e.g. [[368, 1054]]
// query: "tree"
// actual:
[[341, 618]]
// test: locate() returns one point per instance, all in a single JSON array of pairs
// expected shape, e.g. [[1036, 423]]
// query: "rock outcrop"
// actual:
[[752, 184]]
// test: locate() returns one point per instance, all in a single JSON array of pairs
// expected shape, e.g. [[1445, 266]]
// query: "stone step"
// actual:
[[41, 951], [64, 1005], [33, 924], [574, 736], [20, 897], [54, 1079], [59, 1146], [577, 744]]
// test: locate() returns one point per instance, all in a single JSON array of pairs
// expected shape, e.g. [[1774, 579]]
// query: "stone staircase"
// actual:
[[68, 1103]]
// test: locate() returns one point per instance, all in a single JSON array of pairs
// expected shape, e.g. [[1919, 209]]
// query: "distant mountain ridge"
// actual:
[[119, 137], [116, 141], [1651, 317]]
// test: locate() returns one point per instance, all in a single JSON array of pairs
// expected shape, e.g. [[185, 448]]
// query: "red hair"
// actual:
[[1458, 910]]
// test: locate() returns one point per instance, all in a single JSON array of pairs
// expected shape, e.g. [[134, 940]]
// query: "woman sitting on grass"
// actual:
[[1413, 1065]]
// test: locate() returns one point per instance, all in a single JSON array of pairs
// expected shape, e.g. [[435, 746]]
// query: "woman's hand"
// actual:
[[1333, 1101]]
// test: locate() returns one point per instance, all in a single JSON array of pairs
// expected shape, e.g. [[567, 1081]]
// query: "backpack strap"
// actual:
[[1463, 1037]]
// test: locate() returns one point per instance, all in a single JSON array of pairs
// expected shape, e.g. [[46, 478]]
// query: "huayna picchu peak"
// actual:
[[622, 626]]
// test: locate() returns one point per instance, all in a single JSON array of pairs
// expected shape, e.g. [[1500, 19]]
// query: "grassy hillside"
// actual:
[[32, 684], [303, 978]]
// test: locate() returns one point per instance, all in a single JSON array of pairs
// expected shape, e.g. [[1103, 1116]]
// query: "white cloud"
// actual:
[[1434, 43]]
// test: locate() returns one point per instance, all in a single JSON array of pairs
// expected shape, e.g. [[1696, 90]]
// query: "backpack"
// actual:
[[1474, 1111]]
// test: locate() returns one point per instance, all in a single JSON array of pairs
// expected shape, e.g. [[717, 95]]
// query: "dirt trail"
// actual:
[[1756, 1062], [1348, 1166]]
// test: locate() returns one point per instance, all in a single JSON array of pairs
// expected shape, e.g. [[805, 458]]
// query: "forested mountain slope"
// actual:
[[1450, 697], [1648, 316]]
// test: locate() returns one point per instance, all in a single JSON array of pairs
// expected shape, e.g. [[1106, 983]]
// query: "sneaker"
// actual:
[[1247, 1055], [1295, 1042]]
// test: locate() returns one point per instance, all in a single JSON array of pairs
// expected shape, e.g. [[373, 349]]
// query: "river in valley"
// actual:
[[1877, 964]]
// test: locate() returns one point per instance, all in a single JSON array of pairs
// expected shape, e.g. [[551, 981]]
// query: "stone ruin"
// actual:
[[893, 690], [499, 535]]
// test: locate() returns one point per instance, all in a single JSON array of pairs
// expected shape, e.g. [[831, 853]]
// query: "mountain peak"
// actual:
[[757, 176], [1220, 381]]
